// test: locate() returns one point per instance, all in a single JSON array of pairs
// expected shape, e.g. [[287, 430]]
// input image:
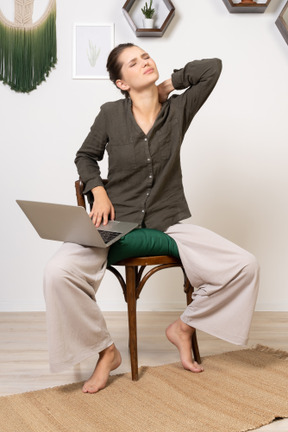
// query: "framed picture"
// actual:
[[92, 45]]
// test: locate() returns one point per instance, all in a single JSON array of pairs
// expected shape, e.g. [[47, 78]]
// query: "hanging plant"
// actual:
[[28, 51]]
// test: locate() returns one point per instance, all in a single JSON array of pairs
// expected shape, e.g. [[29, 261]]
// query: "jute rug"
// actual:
[[239, 391]]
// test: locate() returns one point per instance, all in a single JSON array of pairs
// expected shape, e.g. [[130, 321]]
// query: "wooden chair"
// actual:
[[132, 285]]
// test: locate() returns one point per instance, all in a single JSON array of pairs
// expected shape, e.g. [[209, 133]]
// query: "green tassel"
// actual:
[[27, 55]]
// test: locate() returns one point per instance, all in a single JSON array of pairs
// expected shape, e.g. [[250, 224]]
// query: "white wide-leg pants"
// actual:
[[226, 282], [225, 278], [75, 325]]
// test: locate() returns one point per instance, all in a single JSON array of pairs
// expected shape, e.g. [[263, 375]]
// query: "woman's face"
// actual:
[[138, 69]]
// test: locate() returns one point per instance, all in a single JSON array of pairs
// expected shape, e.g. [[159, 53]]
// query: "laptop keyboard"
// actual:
[[108, 235]]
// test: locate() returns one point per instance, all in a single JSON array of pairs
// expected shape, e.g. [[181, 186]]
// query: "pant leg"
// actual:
[[226, 279], [75, 324]]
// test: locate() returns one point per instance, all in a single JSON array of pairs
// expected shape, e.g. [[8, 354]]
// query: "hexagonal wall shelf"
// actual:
[[165, 11], [246, 6], [282, 22]]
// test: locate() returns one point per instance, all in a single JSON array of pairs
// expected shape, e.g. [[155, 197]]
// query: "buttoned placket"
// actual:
[[149, 176]]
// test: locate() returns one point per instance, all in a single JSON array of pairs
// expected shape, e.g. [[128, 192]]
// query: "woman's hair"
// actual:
[[114, 66]]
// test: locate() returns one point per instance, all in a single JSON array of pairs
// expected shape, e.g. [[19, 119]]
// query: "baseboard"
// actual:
[[21, 306], [143, 306], [120, 306], [272, 306]]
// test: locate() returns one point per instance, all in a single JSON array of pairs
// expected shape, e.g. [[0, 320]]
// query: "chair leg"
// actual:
[[131, 275]]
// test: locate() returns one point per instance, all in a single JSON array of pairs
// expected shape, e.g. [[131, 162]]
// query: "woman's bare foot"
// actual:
[[180, 335], [109, 359]]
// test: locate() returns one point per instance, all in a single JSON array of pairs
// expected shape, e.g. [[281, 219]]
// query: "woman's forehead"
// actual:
[[130, 53]]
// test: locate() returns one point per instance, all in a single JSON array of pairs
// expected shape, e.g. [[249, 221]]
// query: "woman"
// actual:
[[142, 134]]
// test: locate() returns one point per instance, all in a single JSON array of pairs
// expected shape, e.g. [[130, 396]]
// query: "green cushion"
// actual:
[[142, 242]]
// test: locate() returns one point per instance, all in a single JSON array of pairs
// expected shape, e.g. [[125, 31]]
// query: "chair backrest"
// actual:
[[81, 199], [79, 187]]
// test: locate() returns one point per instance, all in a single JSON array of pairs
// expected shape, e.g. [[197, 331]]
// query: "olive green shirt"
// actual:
[[144, 173]]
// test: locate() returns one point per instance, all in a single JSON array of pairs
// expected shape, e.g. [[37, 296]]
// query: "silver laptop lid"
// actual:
[[68, 223]]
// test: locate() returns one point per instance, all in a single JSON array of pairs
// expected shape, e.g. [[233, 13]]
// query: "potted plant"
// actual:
[[148, 13]]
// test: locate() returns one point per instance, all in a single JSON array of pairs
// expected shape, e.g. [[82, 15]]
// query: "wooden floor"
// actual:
[[24, 358]]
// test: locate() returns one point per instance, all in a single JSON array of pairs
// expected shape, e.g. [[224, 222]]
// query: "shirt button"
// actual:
[[148, 160], [148, 194], [145, 139], [143, 211], [150, 176]]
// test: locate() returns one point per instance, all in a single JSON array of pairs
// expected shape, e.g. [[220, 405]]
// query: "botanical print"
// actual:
[[92, 44]]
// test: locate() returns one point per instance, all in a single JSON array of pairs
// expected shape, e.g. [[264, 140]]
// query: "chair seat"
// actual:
[[143, 242], [149, 260]]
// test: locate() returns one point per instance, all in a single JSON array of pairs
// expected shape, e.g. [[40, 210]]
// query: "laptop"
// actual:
[[68, 223]]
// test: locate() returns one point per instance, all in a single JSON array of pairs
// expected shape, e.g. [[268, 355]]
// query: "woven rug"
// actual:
[[239, 391]]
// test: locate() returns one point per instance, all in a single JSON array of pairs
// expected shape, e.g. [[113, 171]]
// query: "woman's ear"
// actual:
[[122, 85]]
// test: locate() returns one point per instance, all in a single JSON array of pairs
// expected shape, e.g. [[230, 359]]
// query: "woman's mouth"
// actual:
[[148, 71]]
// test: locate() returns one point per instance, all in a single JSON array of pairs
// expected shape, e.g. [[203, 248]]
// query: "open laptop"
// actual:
[[68, 223]]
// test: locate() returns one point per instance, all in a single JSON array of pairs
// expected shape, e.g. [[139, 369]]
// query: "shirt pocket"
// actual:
[[166, 138], [121, 156]]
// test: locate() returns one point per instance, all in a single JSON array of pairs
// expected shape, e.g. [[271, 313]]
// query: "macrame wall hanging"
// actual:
[[28, 51]]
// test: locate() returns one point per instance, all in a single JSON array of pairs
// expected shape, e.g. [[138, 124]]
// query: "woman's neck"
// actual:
[[145, 108]]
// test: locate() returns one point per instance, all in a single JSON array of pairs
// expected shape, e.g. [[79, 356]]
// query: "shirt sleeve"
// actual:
[[198, 77], [91, 152]]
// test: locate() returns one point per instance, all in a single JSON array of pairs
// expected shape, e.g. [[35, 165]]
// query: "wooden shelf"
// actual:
[[154, 32], [282, 22], [246, 6]]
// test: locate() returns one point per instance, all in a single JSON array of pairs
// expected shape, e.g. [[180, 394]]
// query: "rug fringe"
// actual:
[[281, 354]]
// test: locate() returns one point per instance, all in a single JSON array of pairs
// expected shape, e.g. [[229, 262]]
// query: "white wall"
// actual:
[[234, 157]]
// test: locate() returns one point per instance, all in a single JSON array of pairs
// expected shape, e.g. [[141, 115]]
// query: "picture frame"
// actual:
[[92, 44]]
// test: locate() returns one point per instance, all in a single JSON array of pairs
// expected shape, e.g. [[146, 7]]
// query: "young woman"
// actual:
[[142, 134]]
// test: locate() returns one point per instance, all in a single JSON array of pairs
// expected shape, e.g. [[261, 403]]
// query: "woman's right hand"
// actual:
[[102, 207], [164, 89]]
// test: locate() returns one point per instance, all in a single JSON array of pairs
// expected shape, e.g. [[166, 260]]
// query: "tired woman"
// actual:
[[143, 133]]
